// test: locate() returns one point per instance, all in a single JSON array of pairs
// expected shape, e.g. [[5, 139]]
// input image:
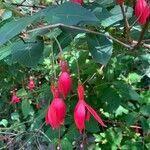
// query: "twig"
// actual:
[[59, 46], [24, 5], [126, 26], [81, 30], [142, 34], [43, 134], [142, 44]]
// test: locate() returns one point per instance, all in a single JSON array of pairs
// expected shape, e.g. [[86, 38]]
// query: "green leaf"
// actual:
[[111, 99], [28, 54], [145, 124], [53, 133], [126, 91], [131, 118], [100, 48], [145, 110], [4, 52], [6, 15], [21, 92], [114, 136], [26, 108], [14, 27], [134, 77], [72, 133], [121, 110], [105, 2], [101, 13], [92, 126], [15, 116], [64, 39], [70, 14], [117, 15], [145, 97], [65, 144], [4, 122]]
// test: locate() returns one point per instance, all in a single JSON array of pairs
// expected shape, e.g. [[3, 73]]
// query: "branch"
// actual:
[[81, 30], [24, 5], [127, 26], [142, 35]]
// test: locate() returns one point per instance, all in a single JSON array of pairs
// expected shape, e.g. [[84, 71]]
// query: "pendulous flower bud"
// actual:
[[64, 80]]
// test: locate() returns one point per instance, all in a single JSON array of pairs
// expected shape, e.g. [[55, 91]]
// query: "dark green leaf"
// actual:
[[64, 39], [145, 110], [65, 144], [14, 27], [117, 15], [92, 126], [26, 108], [4, 52], [111, 99], [100, 48], [70, 14], [126, 91], [28, 54]]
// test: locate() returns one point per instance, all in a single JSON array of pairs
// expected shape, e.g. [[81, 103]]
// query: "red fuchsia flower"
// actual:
[[77, 1], [120, 2], [57, 110], [142, 11], [15, 99], [64, 80], [31, 84], [82, 111]]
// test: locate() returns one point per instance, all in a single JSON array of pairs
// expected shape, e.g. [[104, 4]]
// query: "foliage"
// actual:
[[96, 44]]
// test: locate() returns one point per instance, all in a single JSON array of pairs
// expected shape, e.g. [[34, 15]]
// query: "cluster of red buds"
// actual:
[[31, 86], [56, 112], [15, 99]]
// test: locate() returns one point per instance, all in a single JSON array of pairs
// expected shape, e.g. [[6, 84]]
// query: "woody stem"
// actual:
[[142, 34]]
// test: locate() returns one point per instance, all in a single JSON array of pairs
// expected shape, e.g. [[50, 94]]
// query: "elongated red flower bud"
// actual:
[[15, 99], [82, 111], [31, 84], [64, 81], [57, 110], [142, 11], [120, 2], [77, 1]]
